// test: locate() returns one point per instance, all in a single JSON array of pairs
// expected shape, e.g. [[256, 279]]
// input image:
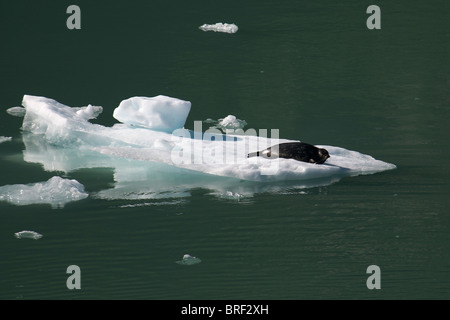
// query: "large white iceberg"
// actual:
[[154, 163], [56, 191], [157, 113]]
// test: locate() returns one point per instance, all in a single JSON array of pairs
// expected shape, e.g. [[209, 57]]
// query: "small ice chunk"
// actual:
[[4, 139], [17, 111], [56, 191], [220, 27], [89, 112], [160, 113], [26, 234], [230, 122], [189, 260]]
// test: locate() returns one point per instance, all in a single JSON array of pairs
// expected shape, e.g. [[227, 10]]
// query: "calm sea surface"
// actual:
[[312, 70]]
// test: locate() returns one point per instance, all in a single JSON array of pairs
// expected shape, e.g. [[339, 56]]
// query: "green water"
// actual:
[[312, 70]]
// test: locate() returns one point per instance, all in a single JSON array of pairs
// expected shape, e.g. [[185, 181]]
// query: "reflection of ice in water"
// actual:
[[28, 235], [188, 260], [62, 139]]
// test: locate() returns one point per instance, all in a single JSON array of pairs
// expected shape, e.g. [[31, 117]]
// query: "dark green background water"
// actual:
[[312, 70]]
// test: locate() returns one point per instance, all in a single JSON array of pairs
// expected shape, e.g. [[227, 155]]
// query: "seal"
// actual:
[[299, 151]]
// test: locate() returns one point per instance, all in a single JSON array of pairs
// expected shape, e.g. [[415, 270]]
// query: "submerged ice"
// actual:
[[152, 156]]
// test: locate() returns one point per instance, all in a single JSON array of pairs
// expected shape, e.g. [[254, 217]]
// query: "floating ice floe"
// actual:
[[189, 260], [151, 162], [16, 111], [56, 191], [26, 234], [5, 139], [220, 27]]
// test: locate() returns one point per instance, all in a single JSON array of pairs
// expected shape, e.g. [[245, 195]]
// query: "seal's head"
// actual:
[[323, 155]]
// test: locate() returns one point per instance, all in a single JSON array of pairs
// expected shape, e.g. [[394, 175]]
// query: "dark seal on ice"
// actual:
[[299, 151]]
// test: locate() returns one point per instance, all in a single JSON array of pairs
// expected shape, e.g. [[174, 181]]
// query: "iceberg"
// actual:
[[150, 162], [56, 191], [156, 113], [220, 27]]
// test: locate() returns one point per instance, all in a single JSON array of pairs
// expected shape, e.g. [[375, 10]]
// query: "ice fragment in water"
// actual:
[[16, 111], [26, 234], [220, 27], [4, 139], [189, 260], [56, 191], [229, 122]]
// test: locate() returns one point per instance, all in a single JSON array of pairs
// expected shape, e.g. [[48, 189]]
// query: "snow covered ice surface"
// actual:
[[220, 27], [56, 191], [151, 160]]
